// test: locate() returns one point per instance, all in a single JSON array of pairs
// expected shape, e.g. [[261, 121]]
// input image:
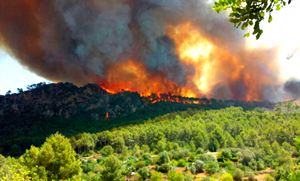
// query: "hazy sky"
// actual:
[[13, 75], [284, 30]]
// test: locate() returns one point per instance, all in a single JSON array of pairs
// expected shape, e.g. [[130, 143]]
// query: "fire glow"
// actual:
[[150, 47], [207, 65]]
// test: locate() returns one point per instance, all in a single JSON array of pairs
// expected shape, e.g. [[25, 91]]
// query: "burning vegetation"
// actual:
[[177, 48]]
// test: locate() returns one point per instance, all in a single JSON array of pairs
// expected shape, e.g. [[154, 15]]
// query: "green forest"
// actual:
[[207, 145]]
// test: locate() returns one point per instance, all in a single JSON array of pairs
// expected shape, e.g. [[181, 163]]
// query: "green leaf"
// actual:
[[244, 25], [278, 7], [262, 13], [247, 35], [270, 19]]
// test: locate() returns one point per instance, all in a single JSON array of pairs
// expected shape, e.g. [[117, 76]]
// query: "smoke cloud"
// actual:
[[91, 41], [292, 87]]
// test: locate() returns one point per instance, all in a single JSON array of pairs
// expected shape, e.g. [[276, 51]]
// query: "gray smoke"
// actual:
[[78, 41]]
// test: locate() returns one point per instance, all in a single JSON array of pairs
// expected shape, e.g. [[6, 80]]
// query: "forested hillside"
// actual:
[[28, 117], [226, 144]]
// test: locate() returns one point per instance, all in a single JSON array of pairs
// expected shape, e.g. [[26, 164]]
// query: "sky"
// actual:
[[13, 75], [284, 30]]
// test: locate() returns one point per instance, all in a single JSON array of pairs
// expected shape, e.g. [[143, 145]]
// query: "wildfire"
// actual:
[[154, 98], [106, 115], [207, 65], [194, 50], [133, 76]]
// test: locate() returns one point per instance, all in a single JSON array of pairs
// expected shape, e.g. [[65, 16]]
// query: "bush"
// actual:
[[145, 149], [238, 175], [245, 156], [139, 164], [269, 178], [174, 176], [188, 177], [225, 164], [147, 158], [88, 167], [163, 157], [253, 165], [230, 169], [251, 176], [212, 167], [208, 157], [226, 177], [199, 151], [180, 153], [156, 176], [192, 157], [107, 150], [144, 173], [164, 168], [193, 169], [199, 165], [100, 159], [224, 155], [181, 163], [260, 165]]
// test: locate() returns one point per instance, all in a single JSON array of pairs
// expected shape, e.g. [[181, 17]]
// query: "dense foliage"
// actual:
[[250, 13], [223, 144], [29, 117]]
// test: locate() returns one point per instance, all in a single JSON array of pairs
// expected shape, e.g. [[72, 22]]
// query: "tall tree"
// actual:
[[55, 158]]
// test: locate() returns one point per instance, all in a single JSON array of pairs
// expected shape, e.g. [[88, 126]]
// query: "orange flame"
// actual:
[[207, 65]]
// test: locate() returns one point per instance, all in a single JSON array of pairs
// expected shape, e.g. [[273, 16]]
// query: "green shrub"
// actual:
[[147, 158], [107, 150], [199, 165], [225, 164], [145, 149], [181, 163], [100, 159], [139, 164], [208, 157], [212, 167], [226, 177], [164, 168], [188, 177], [163, 157], [269, 178], [156, 176], [199, 151], [193, 169], [260, 165], [245, 156], [250, 175], [88, 167], [144, 173], [180, 153], [192, 157], [238, 175], [224, 155], [174, 176]]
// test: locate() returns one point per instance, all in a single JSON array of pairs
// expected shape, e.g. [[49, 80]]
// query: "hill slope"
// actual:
[[27, 118]]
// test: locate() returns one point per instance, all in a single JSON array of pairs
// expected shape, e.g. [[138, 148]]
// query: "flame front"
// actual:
[[151, 47], [207, 65], [194, 51]]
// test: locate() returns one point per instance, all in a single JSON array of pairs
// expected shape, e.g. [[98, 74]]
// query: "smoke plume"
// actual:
[[166, 46]]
